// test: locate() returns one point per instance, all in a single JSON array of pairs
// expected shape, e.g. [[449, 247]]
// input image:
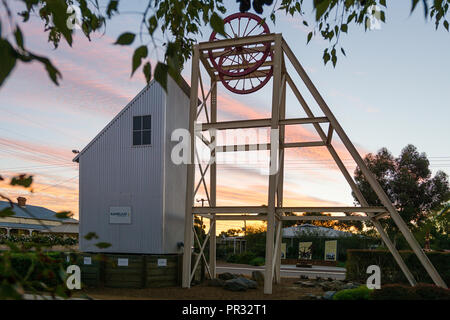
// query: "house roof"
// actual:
[[34, 212], [64, 228], [312, 230], [13, 225], [181, 83]]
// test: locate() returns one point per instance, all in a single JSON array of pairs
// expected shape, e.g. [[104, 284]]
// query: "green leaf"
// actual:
[[147, 71], [22, 180], [383, 3], [112, 7], [19, 37], [344, 27], [414, 4], [90, 236], [64, 215], [7, 212], [160, 75], [343, 51], [382, 16], [309, 37], [152, 24], [125, 39], [217, 24], [446, 26], [305, 23], [321, 7], [8, 60], [326, 57], [139, 54], [52, 72], [103, 245]]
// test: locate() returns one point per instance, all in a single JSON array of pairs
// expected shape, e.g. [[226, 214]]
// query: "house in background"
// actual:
[[28, 219], [131, 194]]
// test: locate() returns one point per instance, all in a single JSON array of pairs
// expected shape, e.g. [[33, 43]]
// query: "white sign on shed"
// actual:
[[120, 215], [122, 262], [162, 262]]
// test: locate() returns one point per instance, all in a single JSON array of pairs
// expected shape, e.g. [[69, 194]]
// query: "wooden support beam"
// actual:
[[239, 124], [190, 176], [240, 210], [257, 123], [303, 120], [228, 53], [236, 42], [330, 134], [381, 215], [304, 144], [213, 183], [260, 73], [241, 217], [331, 209], [274, 157], [325, 218], [243, 147]]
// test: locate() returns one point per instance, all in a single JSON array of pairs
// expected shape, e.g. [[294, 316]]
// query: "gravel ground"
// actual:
[[287, 290]]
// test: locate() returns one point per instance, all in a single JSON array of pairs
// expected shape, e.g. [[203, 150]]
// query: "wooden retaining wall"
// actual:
[[131, 270]]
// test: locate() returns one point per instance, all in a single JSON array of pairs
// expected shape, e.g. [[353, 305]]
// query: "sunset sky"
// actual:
[[392, 89]]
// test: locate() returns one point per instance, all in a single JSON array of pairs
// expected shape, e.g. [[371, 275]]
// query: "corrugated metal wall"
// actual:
[[115, 173], [177, 116]]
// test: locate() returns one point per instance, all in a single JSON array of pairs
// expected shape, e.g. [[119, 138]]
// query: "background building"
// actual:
[[30, 220]]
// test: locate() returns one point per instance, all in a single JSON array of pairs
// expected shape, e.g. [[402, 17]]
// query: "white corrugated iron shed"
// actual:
[[130, 192]]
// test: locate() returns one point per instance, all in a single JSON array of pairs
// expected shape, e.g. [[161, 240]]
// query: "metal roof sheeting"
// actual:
[[36, 212]]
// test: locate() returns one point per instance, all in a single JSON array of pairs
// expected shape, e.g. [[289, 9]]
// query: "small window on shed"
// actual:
[[142, 130]]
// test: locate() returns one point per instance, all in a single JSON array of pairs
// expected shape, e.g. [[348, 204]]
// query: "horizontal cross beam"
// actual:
[[257, 123], [326, 218], [332, 209], [220, 44], [263, 209]]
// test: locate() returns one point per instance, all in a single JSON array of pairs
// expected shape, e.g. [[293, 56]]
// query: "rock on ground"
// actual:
[[258, 276], [227, 276]]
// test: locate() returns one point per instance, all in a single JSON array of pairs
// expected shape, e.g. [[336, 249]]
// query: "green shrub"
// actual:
[[360, 293], [232, 258], [48, 268], [394, 292], [40, 239], [244, 258], [258, 261], [359, 260], [427, 291]]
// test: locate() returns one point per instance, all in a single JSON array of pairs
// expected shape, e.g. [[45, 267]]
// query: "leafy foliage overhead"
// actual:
[[180, 22]]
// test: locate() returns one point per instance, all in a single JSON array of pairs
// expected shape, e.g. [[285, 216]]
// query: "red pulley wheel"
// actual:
[[235, 61]]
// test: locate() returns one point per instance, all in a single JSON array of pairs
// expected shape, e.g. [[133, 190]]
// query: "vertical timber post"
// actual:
[[268, 279], [282, 116], [190, 179], [213, 183]]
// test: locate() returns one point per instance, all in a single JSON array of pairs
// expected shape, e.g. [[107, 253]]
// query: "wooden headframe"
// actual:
[[273, 213]]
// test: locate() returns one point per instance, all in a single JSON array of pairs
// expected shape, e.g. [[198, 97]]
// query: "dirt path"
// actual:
[[287, 290]]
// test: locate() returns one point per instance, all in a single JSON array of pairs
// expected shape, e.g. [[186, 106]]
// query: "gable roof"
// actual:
[[181, 83], [35, 211]]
